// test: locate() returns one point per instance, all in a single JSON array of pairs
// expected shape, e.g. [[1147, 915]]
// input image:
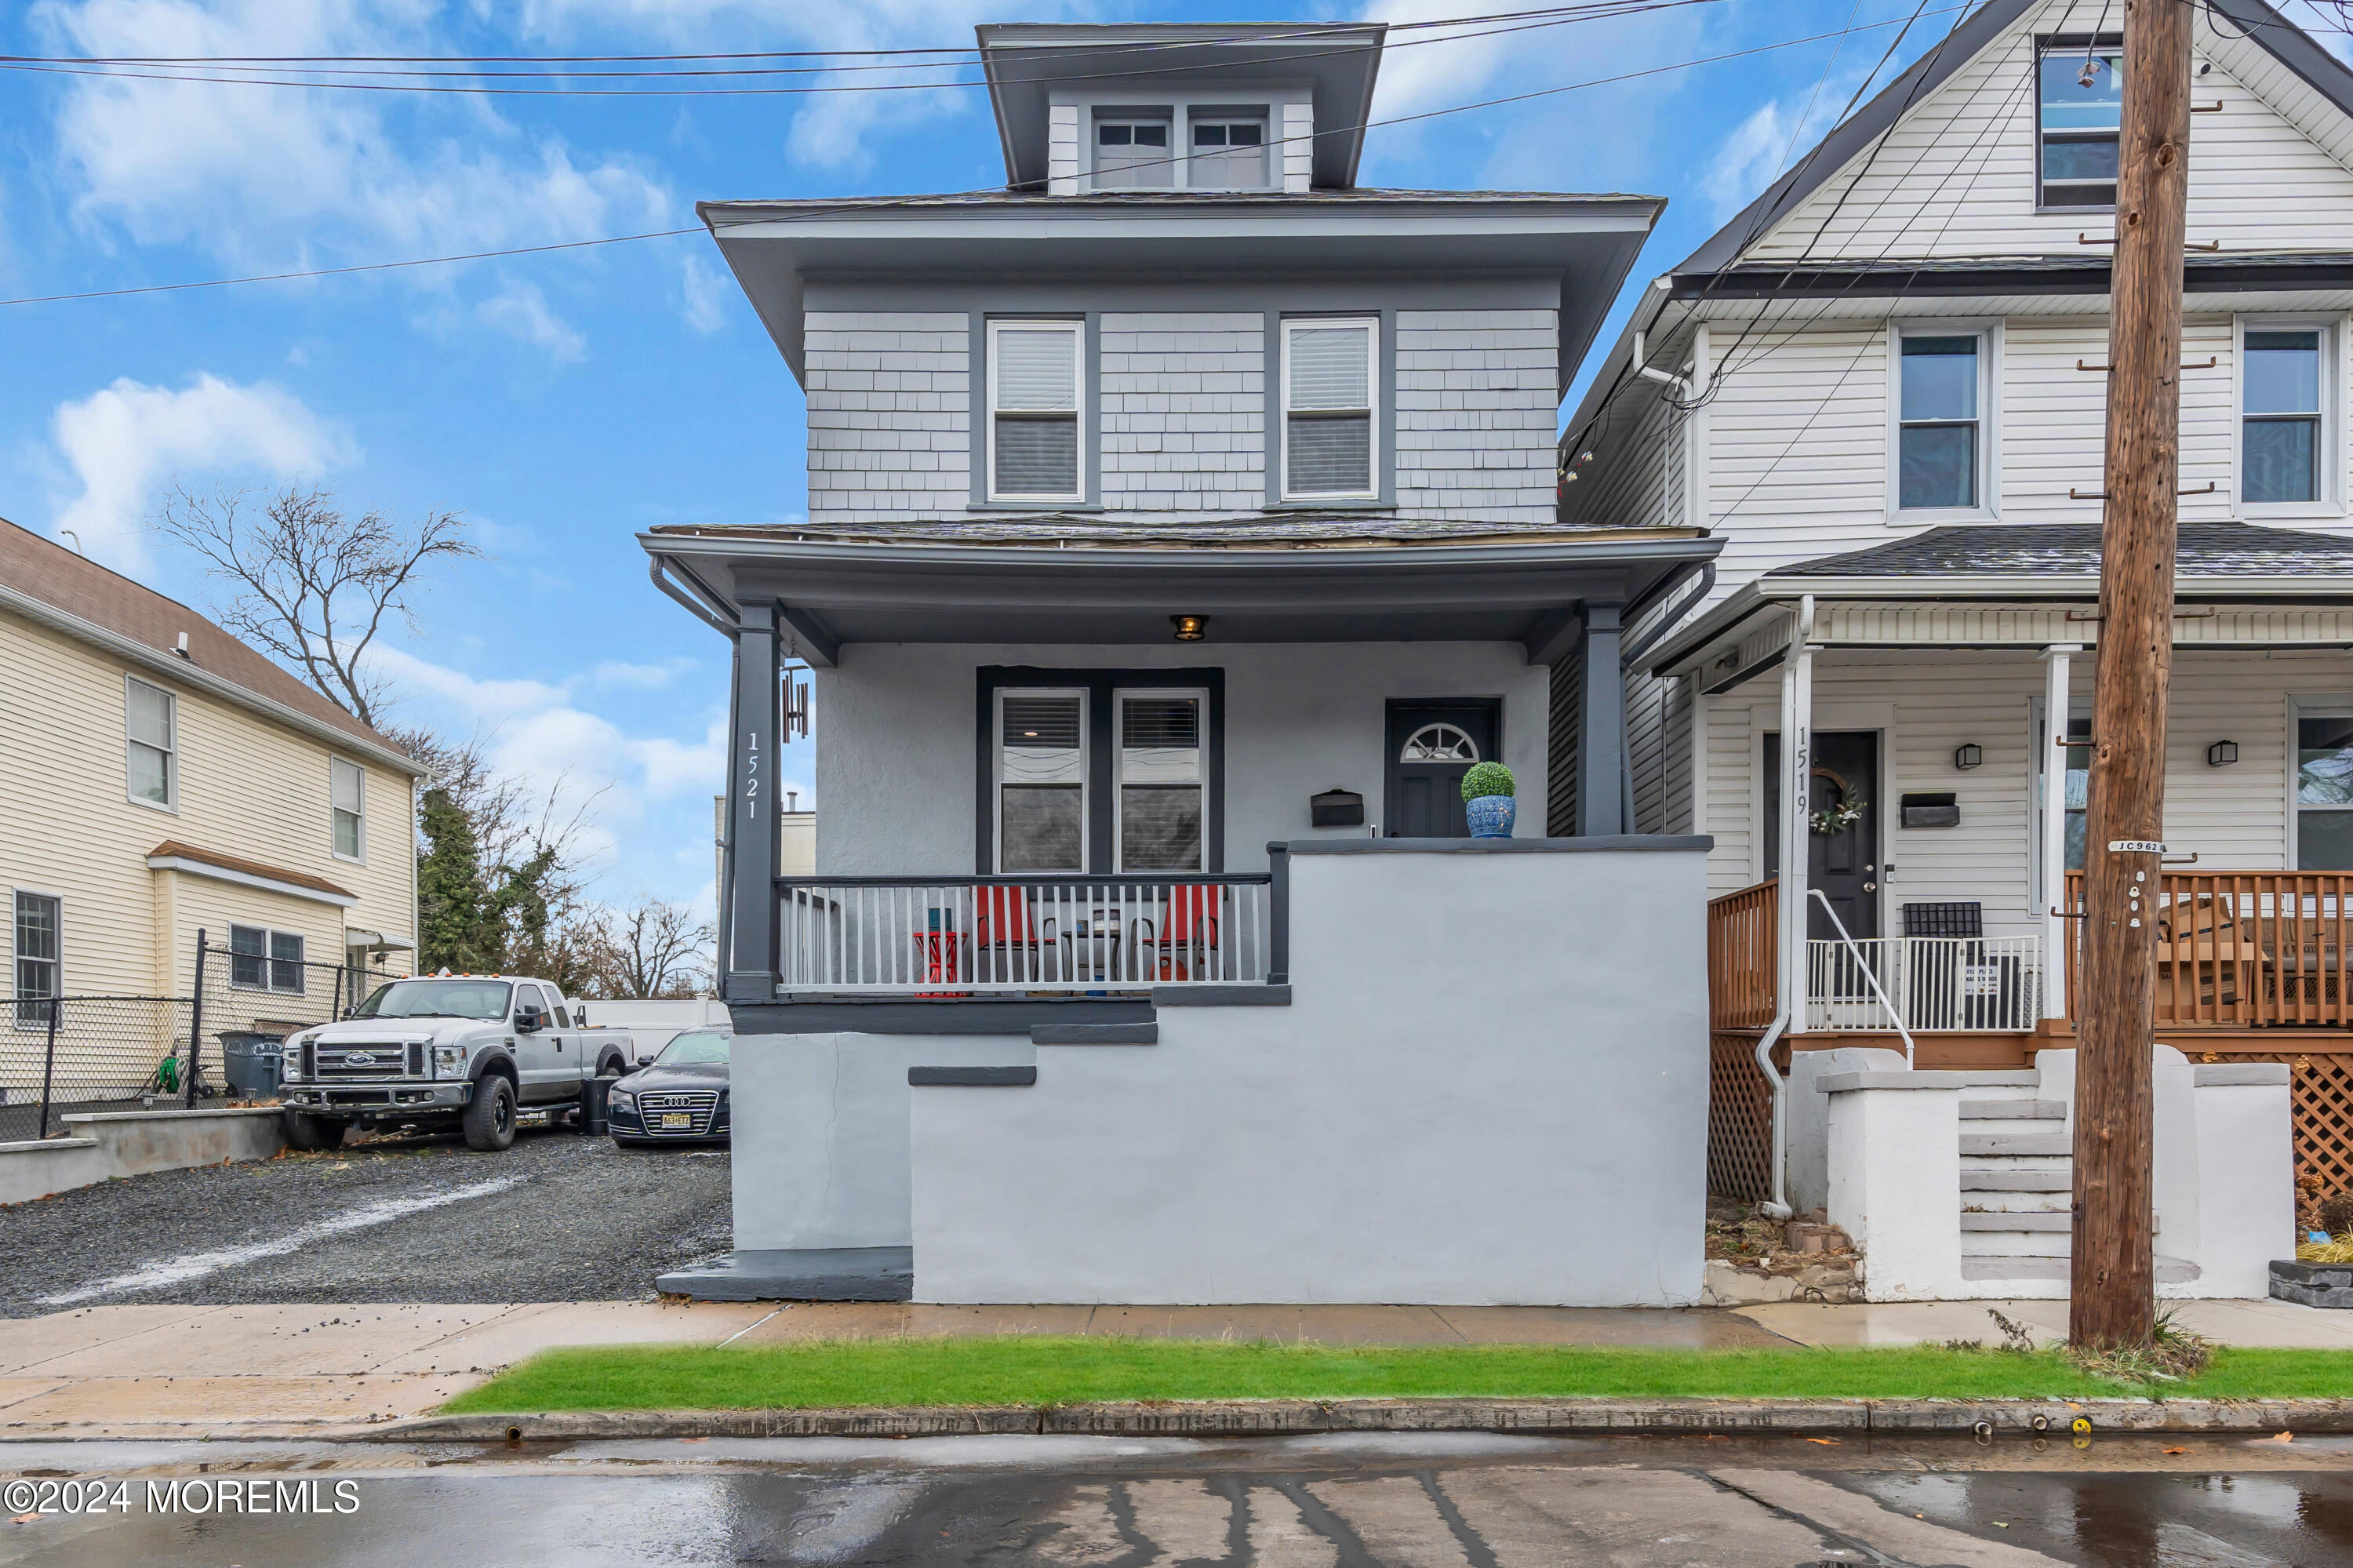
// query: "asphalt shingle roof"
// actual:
[[2073, 549], [1275, 529]]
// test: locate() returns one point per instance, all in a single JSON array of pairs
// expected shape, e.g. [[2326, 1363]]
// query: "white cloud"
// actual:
[[481, 701], [127, 441], [703, 295], [521, 312], [639, 677], [1747, 162], [1438, 66], [670, 766]]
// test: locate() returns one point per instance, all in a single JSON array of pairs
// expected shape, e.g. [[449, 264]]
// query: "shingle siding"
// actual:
[[1477, 392], [889, 432], [1184, 411]]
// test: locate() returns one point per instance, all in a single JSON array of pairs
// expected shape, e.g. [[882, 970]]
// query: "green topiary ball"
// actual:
[[1486, 778]]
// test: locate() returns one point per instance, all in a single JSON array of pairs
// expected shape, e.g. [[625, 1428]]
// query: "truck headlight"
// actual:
[[448, 1058]]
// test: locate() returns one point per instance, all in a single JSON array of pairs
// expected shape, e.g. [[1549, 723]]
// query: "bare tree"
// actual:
[[651, 949], [313, 586]]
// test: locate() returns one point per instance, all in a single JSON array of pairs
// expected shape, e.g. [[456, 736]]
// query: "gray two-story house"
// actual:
[[1182, 525]]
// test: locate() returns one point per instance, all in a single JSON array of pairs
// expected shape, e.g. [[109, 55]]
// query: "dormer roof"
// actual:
[[1026, 62]]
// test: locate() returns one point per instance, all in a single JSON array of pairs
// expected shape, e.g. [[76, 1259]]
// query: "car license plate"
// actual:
[[678, 1118]]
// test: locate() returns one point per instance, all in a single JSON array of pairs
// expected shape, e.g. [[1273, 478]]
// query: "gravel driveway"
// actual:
[[557, 1217]]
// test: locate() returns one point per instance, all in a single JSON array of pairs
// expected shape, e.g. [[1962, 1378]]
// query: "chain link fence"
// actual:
[[251, 998], [71, 1054]]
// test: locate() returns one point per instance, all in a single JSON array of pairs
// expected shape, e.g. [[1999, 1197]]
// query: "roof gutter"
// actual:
[[132, 651], [702, 601], [1688, 546]]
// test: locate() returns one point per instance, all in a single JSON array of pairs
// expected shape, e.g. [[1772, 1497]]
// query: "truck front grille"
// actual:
[[361, 1061], [698, 1106]]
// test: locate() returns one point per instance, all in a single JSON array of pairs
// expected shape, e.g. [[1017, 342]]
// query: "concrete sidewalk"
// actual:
[[308, 1371]]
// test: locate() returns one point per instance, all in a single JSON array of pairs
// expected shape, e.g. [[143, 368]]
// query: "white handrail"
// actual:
[[1895, 1015]]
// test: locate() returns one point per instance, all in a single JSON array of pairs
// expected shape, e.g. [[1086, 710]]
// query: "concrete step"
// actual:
[[2170, 1270], [2019, 1203], [1982, 1144], [2000, 1083], [2059, 1221], [2013, 1244], [2056, 1178], [1990, 1109], [2011, 1127]]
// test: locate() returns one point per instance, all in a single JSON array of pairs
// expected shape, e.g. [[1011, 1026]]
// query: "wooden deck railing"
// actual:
[[1741, 990], [2241, 950]]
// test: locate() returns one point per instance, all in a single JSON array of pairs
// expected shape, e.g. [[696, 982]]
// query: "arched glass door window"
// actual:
[[1439, 743]]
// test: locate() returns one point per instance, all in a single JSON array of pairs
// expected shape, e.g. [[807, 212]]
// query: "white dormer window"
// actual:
[[1228, 155], [1132, 154], [1327, 408], [1033, 412]]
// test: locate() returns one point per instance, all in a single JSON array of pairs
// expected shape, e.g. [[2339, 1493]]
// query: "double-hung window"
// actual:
[[38, 963], [1034, 387], [2080, 102], [1330, 445], [261, 960], [2323, 789], [1228, 155], [1160, 780], [2282, 437], [1041, 782], [347, 810], [1132, 154], [151, 730], [1940, 435]]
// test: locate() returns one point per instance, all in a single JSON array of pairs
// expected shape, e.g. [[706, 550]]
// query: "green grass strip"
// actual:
[[1038, 1371]]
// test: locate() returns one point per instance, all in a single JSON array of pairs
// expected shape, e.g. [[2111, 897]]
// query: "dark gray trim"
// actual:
[[1498, 846], [750, 963], [1098, 685], [971, 1077], [809, 638], [957, 1015], [1601, 727], [1278, 923], [2087, 277], [1741, 677], [1094, 1034], [798, 1274], [1270, 995]]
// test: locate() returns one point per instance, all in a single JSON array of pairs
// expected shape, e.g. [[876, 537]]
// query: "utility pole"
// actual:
[[2113, 1284]]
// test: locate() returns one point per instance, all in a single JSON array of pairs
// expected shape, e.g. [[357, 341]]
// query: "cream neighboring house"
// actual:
[[158, 777]]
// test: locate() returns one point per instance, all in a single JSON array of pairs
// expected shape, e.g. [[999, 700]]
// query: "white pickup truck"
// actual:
[[470, 1049]]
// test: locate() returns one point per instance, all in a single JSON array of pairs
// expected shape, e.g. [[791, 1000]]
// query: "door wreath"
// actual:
[[1843, 812]]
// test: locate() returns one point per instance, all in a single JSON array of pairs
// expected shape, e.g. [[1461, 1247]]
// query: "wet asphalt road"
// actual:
[[557, 1217], [1462, 1500]]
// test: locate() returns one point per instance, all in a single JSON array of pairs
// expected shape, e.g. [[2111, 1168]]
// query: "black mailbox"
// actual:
[[1932, 811], [1335, 808]]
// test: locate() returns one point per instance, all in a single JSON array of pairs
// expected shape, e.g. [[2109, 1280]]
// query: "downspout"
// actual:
[[1789, 993]]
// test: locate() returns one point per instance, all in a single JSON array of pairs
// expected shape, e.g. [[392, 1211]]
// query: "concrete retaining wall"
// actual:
[[134, 1143], [1491, 1087]]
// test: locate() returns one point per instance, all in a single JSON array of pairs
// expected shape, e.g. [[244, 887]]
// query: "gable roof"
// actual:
[[47, 582]]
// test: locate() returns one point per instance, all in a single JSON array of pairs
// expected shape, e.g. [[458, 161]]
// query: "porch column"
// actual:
[[2052, 775], [1602, 738], [1797, 771], [750, 962]]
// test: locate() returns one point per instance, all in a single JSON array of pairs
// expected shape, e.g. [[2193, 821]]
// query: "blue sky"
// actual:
[[564, 401]]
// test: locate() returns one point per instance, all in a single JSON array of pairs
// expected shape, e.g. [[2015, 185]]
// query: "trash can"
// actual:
[[593, 1094], [253, 1063]]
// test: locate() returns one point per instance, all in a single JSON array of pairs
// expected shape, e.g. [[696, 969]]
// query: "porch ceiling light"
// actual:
[[1969, 757], [1190, 628], [2222, 754]]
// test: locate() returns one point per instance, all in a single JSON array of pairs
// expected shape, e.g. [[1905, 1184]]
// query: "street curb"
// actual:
[[1278, 1417]]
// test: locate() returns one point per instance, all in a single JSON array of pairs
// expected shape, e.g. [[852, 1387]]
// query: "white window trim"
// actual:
[[1266, 116], [2042, 46], [998, 779], [2331, 499], [2314, 706], [1119, 764], [1987, 330], [268, 935], [59, 898], [1147, 114], [172, 768], [1372, 491], [1078, 332], [2050, 764], [333, 761]]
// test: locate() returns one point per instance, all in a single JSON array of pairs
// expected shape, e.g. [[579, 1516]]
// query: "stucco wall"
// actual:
[[896, 766], [1491, 1087]]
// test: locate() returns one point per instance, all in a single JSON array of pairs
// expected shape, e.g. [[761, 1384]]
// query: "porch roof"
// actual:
[[2023, 585], [1070, 580]]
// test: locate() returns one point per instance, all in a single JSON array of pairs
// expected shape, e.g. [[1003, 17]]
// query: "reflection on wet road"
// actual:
[[1431, 1500]]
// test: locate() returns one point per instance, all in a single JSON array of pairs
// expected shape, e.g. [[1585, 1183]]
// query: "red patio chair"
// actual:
[[1188, 938], [1004, 942]]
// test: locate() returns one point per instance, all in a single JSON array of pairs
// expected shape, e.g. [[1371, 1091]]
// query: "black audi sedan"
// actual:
[[680, 1097]]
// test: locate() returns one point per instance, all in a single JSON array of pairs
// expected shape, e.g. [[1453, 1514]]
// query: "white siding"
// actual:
[[1955, 177], [1298, 134]]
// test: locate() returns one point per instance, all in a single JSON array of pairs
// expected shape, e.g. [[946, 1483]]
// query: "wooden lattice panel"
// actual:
[[1739, 1121], [2320, 1101]]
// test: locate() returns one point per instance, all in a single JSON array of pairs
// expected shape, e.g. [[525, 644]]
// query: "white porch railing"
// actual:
[[1948, 983], [1072, 936]]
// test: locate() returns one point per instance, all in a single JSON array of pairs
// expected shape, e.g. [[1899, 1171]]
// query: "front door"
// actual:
[[1842, 840], [1431, 747]]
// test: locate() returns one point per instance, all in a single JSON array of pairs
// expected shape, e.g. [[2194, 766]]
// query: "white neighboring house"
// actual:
[[1882, 387]]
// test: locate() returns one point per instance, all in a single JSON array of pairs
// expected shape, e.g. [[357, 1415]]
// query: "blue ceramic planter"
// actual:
[[1491, 816]]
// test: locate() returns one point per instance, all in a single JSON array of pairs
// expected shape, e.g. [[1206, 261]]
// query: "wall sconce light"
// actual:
[[2222, 754], [1969, 757], [1190, 628]]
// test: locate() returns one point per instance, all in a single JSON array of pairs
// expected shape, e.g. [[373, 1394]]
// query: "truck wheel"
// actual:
[[309, 1133], [612, 1067], [490, 1118]]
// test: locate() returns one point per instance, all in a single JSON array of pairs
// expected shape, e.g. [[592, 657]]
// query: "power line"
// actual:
[[869, 203]]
